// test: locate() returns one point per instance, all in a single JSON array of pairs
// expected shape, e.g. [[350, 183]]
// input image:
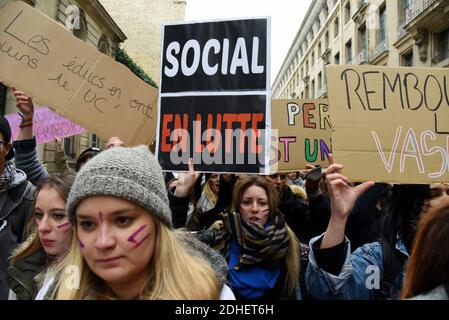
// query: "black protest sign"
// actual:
[[214, 96], [223, 55], [219, 131]]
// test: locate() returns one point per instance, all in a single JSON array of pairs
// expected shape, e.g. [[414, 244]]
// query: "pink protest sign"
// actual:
[[47, 126]]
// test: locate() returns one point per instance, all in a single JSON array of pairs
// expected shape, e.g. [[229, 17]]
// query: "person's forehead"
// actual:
[[255, 190], [114, 139], [278, 175], [2, 137]]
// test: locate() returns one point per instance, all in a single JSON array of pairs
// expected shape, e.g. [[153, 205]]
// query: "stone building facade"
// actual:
[[378, 32], [97, 28], [142, 21]]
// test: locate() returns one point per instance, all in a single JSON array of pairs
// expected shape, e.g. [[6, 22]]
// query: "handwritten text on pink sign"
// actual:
[[47, 126]]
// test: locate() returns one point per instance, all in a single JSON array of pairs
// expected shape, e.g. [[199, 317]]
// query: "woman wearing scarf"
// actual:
[[16, 203], [261, 250]]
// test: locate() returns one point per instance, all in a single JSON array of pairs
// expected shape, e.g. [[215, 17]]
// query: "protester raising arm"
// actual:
[[364, 222], [333, 273], [26, 108], [60, 158], [179, 198], [342, 198], [25, 146], [186, 181]]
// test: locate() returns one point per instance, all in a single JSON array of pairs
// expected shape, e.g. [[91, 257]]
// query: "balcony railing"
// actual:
[[401, 30], [416, 8], [379, 49], [361, 57], [321, 91], [361, 3]]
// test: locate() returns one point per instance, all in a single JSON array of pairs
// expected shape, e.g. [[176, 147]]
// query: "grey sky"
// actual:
[[286, 17]]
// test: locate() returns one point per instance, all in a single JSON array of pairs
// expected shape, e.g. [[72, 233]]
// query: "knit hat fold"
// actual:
[[132, 174]]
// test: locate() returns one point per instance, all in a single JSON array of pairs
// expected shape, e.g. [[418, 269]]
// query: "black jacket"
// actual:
[[306, 218], [22, 275], [199, 220], [14, 214], [296, 213]]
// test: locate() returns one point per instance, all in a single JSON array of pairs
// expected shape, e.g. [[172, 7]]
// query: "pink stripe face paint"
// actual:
[[81, 244], [132, 238], [65, 225]]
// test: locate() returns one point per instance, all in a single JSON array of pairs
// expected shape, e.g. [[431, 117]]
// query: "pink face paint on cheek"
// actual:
[[141, 241], [132, 238], [65, 225], [81, 244]]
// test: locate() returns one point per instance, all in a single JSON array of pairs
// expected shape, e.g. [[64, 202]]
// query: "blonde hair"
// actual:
[[175, 274], [31, 245], [212, 196]]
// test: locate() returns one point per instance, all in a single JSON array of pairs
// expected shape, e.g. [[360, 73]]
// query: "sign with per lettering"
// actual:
[[44, 59], [302, 130], [214, 96], [391, 124]]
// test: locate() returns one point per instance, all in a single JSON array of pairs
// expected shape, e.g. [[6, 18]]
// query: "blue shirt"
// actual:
[[250, 281]]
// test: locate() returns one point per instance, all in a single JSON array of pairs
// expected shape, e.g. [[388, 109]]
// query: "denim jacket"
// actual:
[[360, 276]]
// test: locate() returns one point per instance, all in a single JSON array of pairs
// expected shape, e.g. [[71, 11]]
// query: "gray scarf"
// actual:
[[11, 177]]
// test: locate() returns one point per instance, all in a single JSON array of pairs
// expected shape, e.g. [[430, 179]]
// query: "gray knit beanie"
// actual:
[[128, 173]]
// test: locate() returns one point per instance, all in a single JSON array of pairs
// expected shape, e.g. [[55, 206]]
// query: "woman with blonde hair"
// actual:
[[208, 198], [124, 246], [36, 259]]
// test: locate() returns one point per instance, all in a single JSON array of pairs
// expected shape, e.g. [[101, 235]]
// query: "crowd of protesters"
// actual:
[[118, 227]]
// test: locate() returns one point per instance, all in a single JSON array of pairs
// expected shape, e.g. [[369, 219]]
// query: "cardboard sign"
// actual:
[[47, 126], [42, 58], [391, 124], [214, 96], [303, 130]]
